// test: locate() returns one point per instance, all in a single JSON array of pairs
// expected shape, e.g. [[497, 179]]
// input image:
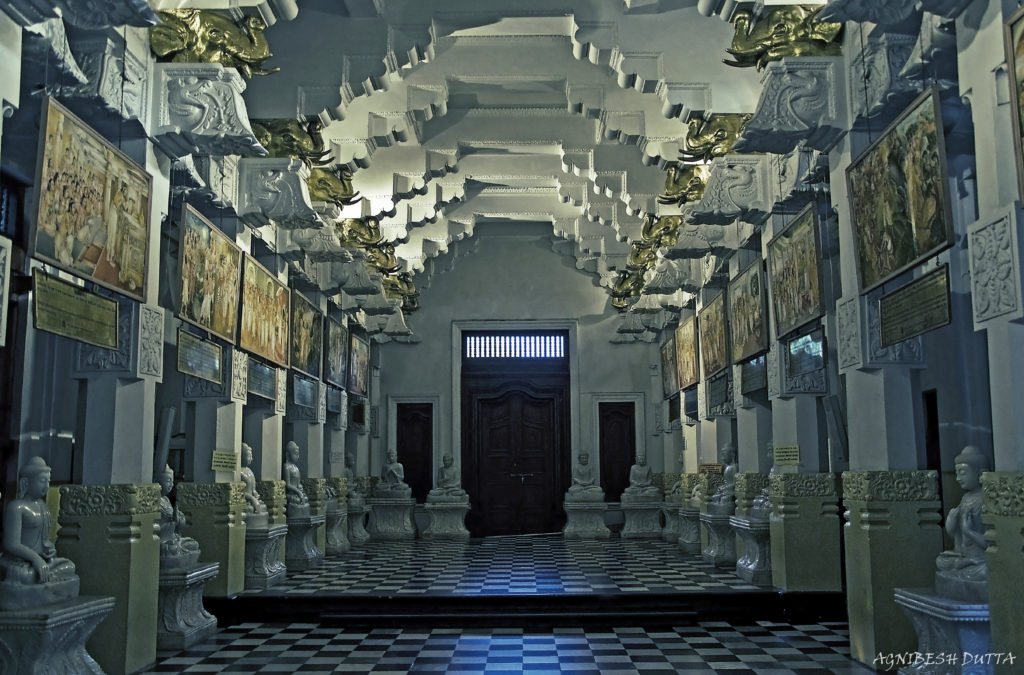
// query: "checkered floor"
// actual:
[[544, 565], [764, 648]]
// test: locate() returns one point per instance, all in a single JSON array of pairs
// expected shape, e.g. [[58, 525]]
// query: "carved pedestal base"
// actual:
[[721, 548], [585, 520], [670, 532], [263, 566], [643, 520], [183, 619], [391, 519], [301, 551], [337, 531], [946, 626], [51, 638], [357, 534], [689, 530], [447, 521], [755, 565]]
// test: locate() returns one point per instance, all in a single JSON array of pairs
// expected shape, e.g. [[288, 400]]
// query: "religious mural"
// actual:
[[794, 274], [265, 313], [211, 268]]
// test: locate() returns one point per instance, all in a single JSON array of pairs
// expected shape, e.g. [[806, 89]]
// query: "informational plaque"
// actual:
[[64, 309], [262, 379], [920, 306], [805, 354], [333, 400], [337, 457], [787, 455], [303, 391], [199, 358], [224, 460], [718, 390], [753, 375], [716, 469]]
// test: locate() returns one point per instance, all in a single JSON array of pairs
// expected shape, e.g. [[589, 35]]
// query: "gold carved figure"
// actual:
[[359, 232], [684, 184], [301, 139], [789, 30], [712, 136], [383, 258], [626, 287], [332, 185], [661, 232], [203, 36], [402, 286], [642, 256]]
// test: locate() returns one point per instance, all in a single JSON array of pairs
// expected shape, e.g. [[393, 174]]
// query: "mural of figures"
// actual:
[[358, 366], [337, 353], [686, 353], [669, 377], [714, 338], [898, 198], [93, 212], [794, 274], [211, 268], [1015, 58], [749, 330], [307, 336], [265, 312]]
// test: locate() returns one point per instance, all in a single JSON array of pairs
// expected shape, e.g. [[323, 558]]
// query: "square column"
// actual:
[[214, 517], [805, 532], [1003, 514]]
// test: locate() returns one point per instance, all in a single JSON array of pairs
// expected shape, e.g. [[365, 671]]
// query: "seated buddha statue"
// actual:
[[295, 494], [356, 498], [392, 479], [641, 483], [963, 573], [724, 497], [255, 510], [176, 552], [584, 486], [449, 483]]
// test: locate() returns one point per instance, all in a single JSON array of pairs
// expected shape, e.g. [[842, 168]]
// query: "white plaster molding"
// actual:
[[883, 12], [281, 400], [697, 241], [876, 78], [851, 352], [239, 375], [737, 188], [995, 263], [151, 342], [90, 14], [45, 45], [117, 79], [270, 10], [933, 59], [198, 108], [274, 190], [218, 177], [803, 100], [949, 9], [319, 245]]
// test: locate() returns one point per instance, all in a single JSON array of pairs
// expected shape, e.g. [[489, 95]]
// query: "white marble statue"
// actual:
[[392, 479], [255, 509], [674, 494], [641, 483], [356, 498], [294, 492], [962, 572], [31, 574], [176, 551], [584, 486], [449, 483], [726, 492]]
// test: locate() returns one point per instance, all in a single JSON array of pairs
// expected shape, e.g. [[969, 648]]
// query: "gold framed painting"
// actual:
[[336, 353], [795, 275], [358, 366], [899, 201], [747, 326], [714, 336], [210, 269], [92, 213], [307, 336], [265, 313], [669, 378], [1014, 32], [687, 367]]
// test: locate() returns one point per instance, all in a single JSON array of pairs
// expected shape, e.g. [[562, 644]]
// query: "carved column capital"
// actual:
[[227, 495], [995, 263], [1003, 494], [274, 190], [109, 500], [803, 485], [737, 188], [890, 486]]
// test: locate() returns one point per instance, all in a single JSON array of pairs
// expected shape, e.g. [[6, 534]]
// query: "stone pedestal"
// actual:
[[183, 619], [263, 566], [391, 518], [689, 530], [1003, 516], [301, 551], [447, 521], [357, 534], [721, 548], [755, 563], [51, 638], [585, 520], [272, 493], [892, 516], [316, 491], [214, 517], [805, 532], [110, 532], [670, 512], [337, 529], [643, 520], [949, 628]]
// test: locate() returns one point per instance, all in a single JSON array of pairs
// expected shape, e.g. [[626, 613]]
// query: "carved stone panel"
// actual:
[[1004, 494], [995, 256], [118, 79], [219, 178], [140, 343], [907, 353], [890, 486], [274, 190], [737, 187], [151, 342], [851, 354], [239, 376], [281, 402], [875, 79], [109, 500]]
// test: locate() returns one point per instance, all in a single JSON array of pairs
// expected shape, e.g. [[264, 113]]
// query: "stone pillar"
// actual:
[[753, 428], [305, 426], [110, 531], [805, 532], [689, 517], [1003, 515], [337, 517], [334, 435], [213, 513]]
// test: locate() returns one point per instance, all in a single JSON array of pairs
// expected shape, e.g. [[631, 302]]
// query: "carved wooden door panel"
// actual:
[[617, 444], [414, 442]]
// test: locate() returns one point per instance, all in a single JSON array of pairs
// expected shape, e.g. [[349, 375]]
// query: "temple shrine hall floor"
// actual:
[[535, 604]]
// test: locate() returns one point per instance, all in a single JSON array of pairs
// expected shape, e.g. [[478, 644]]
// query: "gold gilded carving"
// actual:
[[402, 286], [202, 36], [300, 139], [684, 183], [332, 185], [626, 288], [359, 232], [789, 30], [661, 232], [383, 258], [713, 136], [641, 256]]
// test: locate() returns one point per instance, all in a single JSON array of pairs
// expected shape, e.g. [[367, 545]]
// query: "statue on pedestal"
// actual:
[[355, 496], [584, 486], [392, 479], [296, 495], [641, 484], [963, 573], [31, 574], [449, 483], [176, 551], [675, 491], [255, 509], [725, 495]]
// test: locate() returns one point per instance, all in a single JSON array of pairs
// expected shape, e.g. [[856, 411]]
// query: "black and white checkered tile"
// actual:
[[512, 565], [764, 648]]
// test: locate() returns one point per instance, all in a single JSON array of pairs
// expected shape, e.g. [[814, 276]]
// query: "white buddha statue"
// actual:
[[392, 479], [356, 498], [725, 495], [963, 572], [176, 551], [584, 486], [255, 509], [449, 483], [298, 502], [641, 484]]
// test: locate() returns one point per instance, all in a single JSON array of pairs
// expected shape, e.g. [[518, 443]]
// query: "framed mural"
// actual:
[[265, 313], [307, 336], [336, 353], [747, 325], [1015, 65], [714, 336], [358, 365], [210, 267], [794, 274], [686, 353], [199, 358], [669, 378], [92, 216], [899, 202]]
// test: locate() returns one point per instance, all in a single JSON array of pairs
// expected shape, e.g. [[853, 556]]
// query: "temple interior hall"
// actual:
[[605, 336]]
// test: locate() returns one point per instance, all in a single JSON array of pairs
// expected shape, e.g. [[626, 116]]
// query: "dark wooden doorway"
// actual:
[[617, 444], [414, 442]]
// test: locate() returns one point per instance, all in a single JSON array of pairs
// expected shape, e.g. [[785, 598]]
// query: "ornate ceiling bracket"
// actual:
[[89, 14], [272, 190], [882, 12], [737, 188], [797, 177], [711, 136], [803, 101], [117, 79], [218, 178], [140, 341], [695, 242], [270, 10], [876, 80], [672, 276], [318, 245], [934, 56], [46, 46], [200, 110], [202, 36]]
